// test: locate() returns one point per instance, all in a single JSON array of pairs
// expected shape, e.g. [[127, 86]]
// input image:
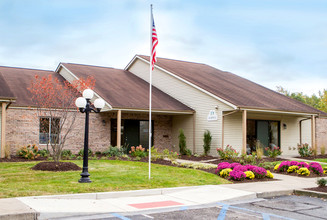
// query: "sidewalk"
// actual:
[[46, 207]]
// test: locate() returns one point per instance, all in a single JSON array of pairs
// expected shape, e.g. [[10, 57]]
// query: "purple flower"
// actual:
[[294, 163], [233, 165], [284, 166], [222, 166], [237, 175], [249, 167], [303, 164], [240, 168], [259, 172], [316, 168]]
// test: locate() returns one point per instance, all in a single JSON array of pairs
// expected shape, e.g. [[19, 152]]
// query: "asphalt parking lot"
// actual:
[[285, 207]]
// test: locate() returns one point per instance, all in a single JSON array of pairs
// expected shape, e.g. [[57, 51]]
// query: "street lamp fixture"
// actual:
[[84, 105]]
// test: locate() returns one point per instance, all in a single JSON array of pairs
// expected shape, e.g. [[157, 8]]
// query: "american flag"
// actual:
[[154, 44]]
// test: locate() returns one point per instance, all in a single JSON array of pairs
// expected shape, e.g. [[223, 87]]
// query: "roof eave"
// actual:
[[277, 111]]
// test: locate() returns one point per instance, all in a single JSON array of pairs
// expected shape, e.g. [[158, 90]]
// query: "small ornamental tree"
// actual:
[[182, 142], [207, 142], [54, 99]]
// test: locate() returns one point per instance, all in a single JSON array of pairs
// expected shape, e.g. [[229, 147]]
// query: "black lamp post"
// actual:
[[84, 105]]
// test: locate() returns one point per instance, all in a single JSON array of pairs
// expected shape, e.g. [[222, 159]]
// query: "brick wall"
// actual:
[[321, 133], [22, 128]]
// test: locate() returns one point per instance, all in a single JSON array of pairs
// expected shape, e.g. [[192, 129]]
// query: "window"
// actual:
[[49, 130]]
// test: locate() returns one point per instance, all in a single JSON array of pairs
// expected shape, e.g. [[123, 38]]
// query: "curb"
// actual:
[[310, 193], [275, 193], [118, 194]]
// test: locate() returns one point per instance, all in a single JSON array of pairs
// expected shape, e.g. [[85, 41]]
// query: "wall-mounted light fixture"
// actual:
[[284, 126]]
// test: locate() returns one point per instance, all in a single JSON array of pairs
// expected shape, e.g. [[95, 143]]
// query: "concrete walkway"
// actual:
[[111, 203]]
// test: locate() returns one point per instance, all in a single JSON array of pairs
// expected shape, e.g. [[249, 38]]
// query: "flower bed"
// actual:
[[302, 169], [238, 172]]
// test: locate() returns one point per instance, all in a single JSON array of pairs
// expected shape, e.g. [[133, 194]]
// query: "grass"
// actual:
[[321, 160], [17, 179]]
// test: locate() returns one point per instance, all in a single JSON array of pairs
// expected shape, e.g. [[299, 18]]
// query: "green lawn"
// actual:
[[17, 179], [321, 160]]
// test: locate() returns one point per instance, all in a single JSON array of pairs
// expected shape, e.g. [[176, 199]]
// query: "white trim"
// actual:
[[76, 78], [276, 111], [185, 81], [116, 109], [130, 62], [154, 111]]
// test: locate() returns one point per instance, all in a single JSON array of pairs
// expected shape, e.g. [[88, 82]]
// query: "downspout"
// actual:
[[300, 126]]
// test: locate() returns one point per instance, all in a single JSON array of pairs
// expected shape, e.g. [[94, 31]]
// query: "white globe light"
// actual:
[[80, 102], [99, 103], [88, 93]]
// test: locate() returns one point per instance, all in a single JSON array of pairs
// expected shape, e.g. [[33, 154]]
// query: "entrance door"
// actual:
[[131, 133], [263, 133]]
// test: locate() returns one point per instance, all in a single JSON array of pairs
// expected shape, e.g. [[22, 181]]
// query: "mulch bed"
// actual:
[[20, 159], [56, 166], [318, 189], [314, 157], [199, 158], [263, 160]]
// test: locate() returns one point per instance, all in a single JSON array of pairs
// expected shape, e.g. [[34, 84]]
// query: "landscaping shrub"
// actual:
[[267, 165], [188, 152], [138, 151], [316, 168], [249, 174], [182, 142], [251, 158], [259, 172], [228, 153], [113, 152], [273, 152], [43, 153], [7, 152], [292, 169], [155, 154], [225, 172], [258, 151], [81, 152], [66, 154], [304, 150], [303, 171], [321, 182], [237, 175], [29, 152], [207, 142], [269, 175]]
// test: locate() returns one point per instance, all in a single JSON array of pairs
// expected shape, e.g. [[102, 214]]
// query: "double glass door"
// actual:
[[262, 133]]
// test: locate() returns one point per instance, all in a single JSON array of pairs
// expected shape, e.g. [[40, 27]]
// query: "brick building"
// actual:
[[191, 96]]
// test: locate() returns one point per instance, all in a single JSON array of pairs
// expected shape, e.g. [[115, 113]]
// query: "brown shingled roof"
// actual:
[[232, 88], [18, 80], [5, 92], [122, 89]]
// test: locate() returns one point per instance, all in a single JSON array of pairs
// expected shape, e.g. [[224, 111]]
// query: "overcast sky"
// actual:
[[271, 42]]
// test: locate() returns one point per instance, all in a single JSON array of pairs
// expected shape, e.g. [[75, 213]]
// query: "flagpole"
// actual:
[[150, 94]]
